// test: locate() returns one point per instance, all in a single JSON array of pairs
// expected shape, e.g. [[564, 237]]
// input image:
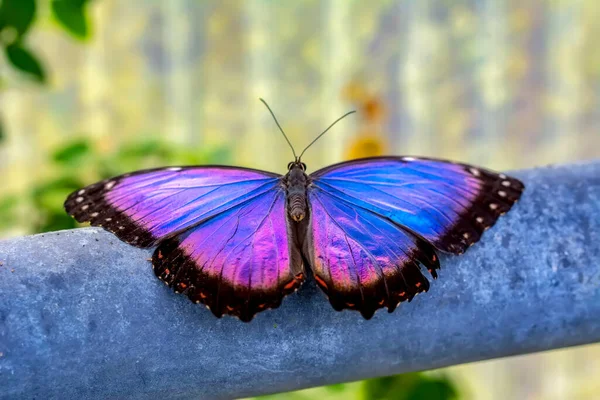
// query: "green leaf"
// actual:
[[411, 386], [440, 389], [25, 61], [18, 14], [71, 14], [73, 152]]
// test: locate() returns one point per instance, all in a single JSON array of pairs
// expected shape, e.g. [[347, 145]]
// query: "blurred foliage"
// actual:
[[71, 15], [25, 61], [16, 19], [79, 163], [411, 386]]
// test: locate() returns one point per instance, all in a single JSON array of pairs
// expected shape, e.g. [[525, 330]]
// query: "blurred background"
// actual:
[[91, 89]]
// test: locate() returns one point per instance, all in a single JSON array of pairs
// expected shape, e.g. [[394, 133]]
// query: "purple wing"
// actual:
[[222, 233], [239, 262], [374, 220], [143, 207]]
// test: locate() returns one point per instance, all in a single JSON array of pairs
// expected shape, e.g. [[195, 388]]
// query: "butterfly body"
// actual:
[[239, 240], [296, 183]]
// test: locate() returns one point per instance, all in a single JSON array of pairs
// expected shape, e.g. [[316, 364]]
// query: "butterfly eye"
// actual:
[[303, 166], [290, 165]]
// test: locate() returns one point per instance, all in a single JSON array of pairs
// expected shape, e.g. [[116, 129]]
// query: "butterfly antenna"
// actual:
[[279, 126], [325, 131]]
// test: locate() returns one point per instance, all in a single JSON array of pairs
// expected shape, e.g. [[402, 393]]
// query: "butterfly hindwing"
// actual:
[[239, 262], [361, 260], [145, 206]]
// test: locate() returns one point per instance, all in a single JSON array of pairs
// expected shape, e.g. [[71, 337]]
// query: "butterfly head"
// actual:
[[296, 165]]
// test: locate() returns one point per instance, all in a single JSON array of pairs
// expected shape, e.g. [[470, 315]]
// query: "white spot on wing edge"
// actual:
[[79, 199], [174, 169], [506, 183], [94, 214], [502, 176], [408, 158], [501, 193], [109, 185], [82, 191], [85, 207], [474, 171], [493, 206]]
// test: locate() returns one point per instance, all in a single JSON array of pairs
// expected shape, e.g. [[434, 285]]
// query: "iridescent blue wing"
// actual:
[[222, 233], [143, 207], [373, 221]]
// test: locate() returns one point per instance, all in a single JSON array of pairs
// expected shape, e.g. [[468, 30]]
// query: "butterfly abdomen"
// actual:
[[296, 181]]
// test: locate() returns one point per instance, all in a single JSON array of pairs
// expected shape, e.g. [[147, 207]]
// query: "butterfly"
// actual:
[[239, 240]]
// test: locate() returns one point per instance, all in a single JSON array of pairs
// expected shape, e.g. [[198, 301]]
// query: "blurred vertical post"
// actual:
[[95, 79], [415, 76], [564, 78], [492, 84], [180, 99], [337, 60], [258, 148]]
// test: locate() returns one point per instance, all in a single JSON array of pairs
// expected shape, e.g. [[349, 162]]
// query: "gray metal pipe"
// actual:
[[82, 315]]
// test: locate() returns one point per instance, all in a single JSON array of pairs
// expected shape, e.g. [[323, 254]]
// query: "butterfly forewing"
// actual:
[[448, 204], [146, 206]]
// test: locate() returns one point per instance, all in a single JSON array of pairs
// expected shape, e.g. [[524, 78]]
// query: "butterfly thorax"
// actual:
[[295, 182]]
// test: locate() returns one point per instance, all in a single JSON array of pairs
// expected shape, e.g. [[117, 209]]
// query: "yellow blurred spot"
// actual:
[[367, 145], [373, 110], [354, 92]]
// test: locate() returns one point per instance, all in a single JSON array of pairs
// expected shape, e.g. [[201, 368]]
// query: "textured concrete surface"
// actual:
[[82, 315]]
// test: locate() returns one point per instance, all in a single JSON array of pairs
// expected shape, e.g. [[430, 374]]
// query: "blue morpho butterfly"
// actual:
[[239, 240]]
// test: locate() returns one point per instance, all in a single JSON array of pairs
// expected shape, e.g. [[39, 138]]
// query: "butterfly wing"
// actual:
[[222, 233], [143, 207], [374, 220]]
